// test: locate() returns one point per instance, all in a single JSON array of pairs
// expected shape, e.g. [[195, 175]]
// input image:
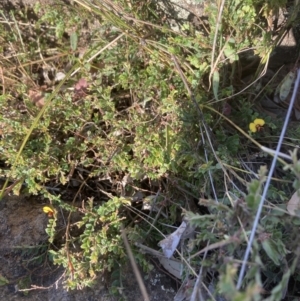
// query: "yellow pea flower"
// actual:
[[256, 125], [48, 210]]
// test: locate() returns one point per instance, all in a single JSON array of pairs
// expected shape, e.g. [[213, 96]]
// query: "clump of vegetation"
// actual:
[[107, 108]]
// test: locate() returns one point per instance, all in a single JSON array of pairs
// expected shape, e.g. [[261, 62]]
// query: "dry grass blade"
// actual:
[[135, 268]]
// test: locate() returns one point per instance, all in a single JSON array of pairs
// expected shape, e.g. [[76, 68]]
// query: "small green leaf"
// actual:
[[3, 280], [74, 40], [271, 251], [252, 201], [216, 82], [230, 51], [254, 187]]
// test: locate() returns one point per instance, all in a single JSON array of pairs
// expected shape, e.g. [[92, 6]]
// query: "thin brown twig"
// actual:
[[35, 287], [2, 79], [135, 267]]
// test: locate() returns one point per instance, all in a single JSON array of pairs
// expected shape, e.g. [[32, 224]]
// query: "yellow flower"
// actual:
[[256, 125], [48, 210]]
